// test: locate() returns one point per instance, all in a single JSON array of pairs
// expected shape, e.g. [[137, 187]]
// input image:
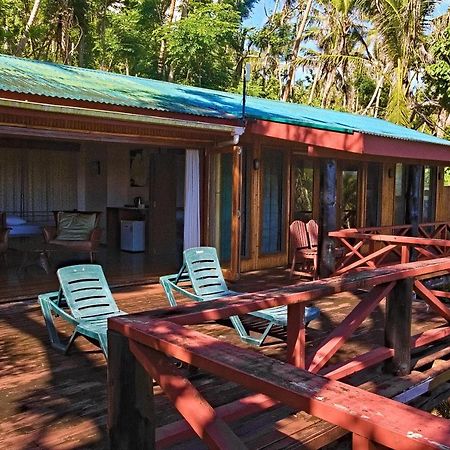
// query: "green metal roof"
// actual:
[[55, 80]]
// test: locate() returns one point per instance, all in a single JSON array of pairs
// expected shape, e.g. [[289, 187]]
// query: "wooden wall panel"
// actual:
[[387, 194]]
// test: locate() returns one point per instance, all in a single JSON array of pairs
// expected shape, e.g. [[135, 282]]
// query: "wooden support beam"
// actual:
[[397, 331], [336, 339], [131, 419], [361, 362], [327, 218], [432, 300], [188, 401], [296, 337], [174, 432]]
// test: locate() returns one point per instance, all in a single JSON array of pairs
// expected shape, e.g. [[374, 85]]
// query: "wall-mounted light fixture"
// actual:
[[256, 164]]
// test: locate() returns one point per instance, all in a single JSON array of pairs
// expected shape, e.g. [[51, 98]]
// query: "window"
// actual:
[[400, 194], [302, 189], [373, 195], [272, 201], [349, 203], [429, 194]]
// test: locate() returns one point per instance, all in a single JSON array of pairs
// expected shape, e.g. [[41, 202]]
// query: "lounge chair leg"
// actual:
[[71, 341]]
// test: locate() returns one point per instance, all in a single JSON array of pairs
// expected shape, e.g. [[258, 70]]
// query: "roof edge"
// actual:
[[121, 116]]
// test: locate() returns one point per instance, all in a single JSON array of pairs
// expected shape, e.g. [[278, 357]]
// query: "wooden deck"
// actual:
[[52, 401]]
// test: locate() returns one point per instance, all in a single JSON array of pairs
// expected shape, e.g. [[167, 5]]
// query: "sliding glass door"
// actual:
[[273, 206]]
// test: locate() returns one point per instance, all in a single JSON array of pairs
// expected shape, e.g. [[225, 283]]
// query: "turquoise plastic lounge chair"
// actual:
[[90, 303], [201, 269]]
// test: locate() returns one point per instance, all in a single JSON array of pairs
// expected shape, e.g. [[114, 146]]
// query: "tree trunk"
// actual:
[[329, 81], [442, 122], [315, 82], [24, 39], [173, 14], [375, 95], [295, 48]]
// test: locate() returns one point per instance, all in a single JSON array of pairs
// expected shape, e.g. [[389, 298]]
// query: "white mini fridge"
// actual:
[[132, 235]]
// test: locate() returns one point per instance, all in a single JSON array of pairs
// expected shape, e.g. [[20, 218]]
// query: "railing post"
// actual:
[[131, 417], [328, 181], [397, 331]]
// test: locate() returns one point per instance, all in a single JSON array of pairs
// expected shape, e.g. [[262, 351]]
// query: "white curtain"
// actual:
[[192, 200]]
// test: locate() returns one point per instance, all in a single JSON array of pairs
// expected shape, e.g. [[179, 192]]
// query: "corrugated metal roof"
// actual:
[[55, 80]]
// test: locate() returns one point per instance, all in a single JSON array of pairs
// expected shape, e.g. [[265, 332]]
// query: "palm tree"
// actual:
[[338, 34], [401, 27]]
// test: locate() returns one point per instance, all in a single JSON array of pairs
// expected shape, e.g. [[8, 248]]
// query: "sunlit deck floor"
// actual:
[[52, 401]]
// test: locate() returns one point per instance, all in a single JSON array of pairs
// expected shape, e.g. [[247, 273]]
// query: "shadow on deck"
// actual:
[[49, 401]]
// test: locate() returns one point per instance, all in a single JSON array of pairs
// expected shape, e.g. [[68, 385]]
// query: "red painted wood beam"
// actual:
[[379, 354], [429, 336], [432, 300], [359, 143], [174, 432], [195, 313], [398, 148], [346, 406], [366, 259], [296, 337], [361, 362], [443, 294], [187, 400], [336, 339], [393, 239], [322, 138]]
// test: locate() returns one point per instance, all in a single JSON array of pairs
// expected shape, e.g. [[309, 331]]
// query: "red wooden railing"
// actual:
[[429, 230], [369, 248], [141, 346]]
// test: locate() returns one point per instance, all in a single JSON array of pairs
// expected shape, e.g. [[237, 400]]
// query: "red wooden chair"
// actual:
[[303, 254]]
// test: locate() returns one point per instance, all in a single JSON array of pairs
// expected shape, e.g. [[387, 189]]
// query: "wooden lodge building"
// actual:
[[207, 171]]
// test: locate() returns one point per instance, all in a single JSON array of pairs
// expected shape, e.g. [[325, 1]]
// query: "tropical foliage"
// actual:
[[388, 58]]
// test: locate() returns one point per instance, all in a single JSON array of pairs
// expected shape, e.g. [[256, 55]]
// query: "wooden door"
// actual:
[[162, 226]]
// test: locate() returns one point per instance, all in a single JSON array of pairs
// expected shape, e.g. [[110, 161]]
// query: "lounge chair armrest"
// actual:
[[49, 300], [49, 233], [96, 235], [63, 314], [49, 307], [168, 282]]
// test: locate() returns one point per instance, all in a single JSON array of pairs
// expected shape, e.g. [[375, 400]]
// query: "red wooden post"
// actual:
[[397, 333], [296, 335]]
